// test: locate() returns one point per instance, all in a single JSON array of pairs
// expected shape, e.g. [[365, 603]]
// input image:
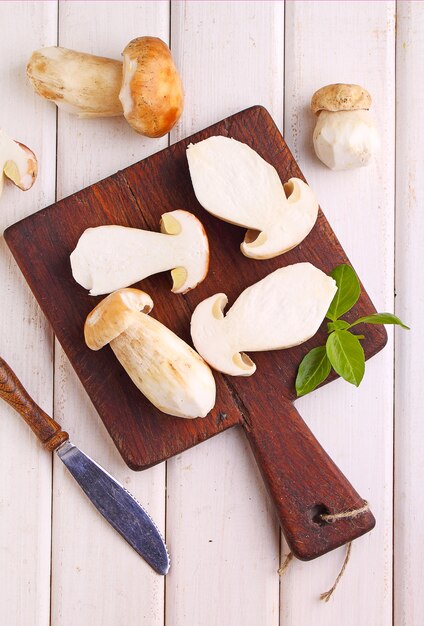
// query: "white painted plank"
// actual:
[[219, 519], [25, 338], [409, 391], [328, 42], [97, 578]]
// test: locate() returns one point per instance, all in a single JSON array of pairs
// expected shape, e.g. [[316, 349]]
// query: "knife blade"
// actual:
[[110, 498], [117, 505]]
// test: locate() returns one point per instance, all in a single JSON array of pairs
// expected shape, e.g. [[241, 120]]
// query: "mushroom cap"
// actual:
[[25, 182], [282, 310], [217, 344], [196, 257], [113, 315], [340, 97], [152, 94]]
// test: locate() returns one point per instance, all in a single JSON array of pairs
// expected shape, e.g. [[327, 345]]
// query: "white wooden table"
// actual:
[[60, 563]]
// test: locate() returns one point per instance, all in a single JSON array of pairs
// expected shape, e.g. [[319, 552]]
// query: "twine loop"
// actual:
[[330, 518]]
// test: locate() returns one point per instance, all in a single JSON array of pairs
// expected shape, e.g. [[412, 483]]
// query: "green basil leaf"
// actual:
[[346, 355], [380, 318], [337, 325], [348, 291], [313, 369]]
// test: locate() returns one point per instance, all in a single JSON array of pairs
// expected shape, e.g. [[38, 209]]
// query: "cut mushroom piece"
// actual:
[[165, 369], [17, 162], [146, 88], [107, 258], [282, 310], [234, 183]]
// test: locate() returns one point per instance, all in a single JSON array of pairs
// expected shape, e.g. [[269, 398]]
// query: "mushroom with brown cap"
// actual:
[[235, 184], [111, 257], [165, 369], [146, 88], [151, 92], [345, 136], [17, 163], [282, 310]]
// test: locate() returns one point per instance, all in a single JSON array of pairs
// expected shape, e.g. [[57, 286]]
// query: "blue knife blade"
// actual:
[[117, 506]]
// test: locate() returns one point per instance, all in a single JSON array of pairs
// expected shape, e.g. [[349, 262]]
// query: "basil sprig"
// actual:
[[343, 350]]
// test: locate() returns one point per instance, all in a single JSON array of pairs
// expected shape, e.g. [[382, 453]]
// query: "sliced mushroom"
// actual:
[[234, 183], [146, 88], [165, 369], [110, 257], [282, 310], [17, 162]]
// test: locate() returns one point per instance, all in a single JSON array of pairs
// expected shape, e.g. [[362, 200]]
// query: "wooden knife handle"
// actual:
[[47, 430], [305, 486]]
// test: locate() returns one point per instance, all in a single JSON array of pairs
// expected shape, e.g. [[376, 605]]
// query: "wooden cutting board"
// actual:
[[301, 478]]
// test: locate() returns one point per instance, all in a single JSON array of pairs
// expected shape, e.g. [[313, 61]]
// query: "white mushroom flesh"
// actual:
[[282, 310], [17, 162], [107, 258], [345, 139], [234, 183], [165, 369]]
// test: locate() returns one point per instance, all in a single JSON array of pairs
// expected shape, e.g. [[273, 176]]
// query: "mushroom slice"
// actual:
[[107, 258], [282, 310], [234, 183], [17, 162], [163, 367]]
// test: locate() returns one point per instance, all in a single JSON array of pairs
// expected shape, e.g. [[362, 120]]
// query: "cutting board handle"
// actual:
[[12, 391], [305, 485]]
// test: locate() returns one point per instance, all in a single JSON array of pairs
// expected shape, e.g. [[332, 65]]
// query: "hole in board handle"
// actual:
[[316, 512]]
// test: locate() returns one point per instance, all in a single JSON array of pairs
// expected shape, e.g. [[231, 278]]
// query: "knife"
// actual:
[[111, 499]]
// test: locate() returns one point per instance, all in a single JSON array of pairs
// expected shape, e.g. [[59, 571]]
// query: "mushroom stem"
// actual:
[[79, 83], [165, 369]]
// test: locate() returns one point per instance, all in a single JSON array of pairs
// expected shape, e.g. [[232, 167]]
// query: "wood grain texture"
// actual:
[[136, 197], [303, 483], [25, 337], [44, 427], [220, 519], [349, 42], [220, 525], [409, 392], [96, 577]]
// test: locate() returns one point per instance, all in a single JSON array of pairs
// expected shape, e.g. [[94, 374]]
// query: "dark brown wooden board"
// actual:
[[300, 476]]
